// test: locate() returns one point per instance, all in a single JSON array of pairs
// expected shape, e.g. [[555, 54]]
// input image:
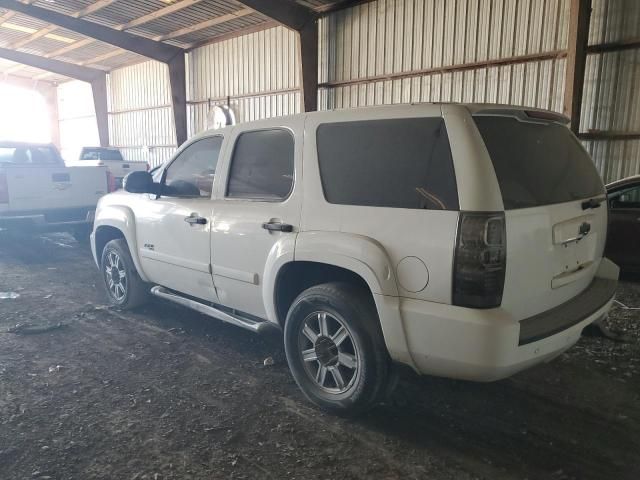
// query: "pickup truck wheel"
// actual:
[[124, 286], [335, 348], [81, 234]]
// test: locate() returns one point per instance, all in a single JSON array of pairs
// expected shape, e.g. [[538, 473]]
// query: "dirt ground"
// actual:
[[165, 393]]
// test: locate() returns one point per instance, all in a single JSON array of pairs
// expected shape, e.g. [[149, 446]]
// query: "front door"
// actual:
[[257, 214], [174, 230]]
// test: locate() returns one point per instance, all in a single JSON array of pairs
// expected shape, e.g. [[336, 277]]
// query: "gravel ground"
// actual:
[[165, 393]]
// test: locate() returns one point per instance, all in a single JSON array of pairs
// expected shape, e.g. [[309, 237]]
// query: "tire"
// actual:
[[116, 264], [347, 364]]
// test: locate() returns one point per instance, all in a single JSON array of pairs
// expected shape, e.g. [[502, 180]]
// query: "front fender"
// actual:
[[122, 218]]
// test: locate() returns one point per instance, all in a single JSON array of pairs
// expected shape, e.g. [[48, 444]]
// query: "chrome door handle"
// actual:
[[277, 227], [194, 219]]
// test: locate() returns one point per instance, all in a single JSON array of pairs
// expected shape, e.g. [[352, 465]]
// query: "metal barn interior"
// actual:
[[144, 74]]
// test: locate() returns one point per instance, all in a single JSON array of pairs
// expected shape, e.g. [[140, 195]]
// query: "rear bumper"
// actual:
[[48, 221], [487, 345]]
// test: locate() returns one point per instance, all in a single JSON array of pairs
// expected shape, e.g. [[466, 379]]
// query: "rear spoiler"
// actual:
[[524, 115]]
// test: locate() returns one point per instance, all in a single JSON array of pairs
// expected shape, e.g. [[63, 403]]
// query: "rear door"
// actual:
[[623, 240], [555, 213], [258, 213]]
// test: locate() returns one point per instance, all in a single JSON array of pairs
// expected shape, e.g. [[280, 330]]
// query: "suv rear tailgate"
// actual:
[[555, 236]]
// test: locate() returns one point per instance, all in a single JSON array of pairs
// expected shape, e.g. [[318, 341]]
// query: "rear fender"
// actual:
[[368, 259]]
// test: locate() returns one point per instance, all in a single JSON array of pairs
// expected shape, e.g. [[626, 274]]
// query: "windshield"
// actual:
[[538, 163], [100, 154], [29, 155]]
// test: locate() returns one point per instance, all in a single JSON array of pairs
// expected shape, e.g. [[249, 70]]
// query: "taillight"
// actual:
[[111, 182], [480, 260], [4, 189]]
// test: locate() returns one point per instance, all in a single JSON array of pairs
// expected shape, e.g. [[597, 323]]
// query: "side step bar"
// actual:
[[243, 322]]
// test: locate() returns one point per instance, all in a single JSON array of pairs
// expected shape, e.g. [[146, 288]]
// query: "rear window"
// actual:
[[101, 154], [538, 163], [29, 155], [401, 163]]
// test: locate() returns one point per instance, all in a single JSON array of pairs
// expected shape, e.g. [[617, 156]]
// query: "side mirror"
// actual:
[[139, 182]]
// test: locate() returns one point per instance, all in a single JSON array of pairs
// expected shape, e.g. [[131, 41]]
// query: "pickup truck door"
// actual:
[[256, 213], [173, 230]]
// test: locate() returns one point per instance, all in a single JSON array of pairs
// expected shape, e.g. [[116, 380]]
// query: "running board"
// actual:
[[243, 322]]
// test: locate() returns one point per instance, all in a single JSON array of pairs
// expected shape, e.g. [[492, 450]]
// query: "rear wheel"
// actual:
[[124, 286], [335, 348]]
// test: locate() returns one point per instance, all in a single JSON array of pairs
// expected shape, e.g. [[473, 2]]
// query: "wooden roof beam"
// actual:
[[162, 12], [161, 52], [290, 14], [206, 24], [303, 20], [134, 43]]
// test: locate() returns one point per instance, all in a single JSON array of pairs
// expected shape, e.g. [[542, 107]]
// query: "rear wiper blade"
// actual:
[[591, 203]]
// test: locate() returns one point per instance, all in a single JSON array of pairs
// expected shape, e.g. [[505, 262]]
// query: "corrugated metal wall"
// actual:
[[140, 113], [611, 100], [77, 119], [257, 74], [399, 51]]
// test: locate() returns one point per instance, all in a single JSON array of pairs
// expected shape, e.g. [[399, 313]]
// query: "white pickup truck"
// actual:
[[465, 241], [39, 193], [111, 158]]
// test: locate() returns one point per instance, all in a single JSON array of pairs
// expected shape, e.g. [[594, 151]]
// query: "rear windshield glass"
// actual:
[[29, 155], [401, 163], [538, 163], [100, 154]]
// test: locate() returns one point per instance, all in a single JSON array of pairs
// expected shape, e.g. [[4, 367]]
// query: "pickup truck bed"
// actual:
[[112, 159], [48, 196]]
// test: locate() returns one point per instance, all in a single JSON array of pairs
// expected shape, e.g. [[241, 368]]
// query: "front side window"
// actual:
[[625, 198], [191, 174], [262, 165], [400, 163]]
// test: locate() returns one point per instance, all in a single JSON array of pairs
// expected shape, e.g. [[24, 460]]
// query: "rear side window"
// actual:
[[401, 163], [262, 165], [537, 163]]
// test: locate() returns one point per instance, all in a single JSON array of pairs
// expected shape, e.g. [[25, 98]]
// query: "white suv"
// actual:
[[465, 241]]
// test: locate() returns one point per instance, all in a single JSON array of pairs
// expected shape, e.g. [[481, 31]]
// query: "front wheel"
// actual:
[[335, 348], [124, 286]]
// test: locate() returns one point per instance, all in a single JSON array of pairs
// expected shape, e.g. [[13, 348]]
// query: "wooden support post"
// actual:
[[177, 78], [309, 65], [305, 22], [99, 90], [576, 60]]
